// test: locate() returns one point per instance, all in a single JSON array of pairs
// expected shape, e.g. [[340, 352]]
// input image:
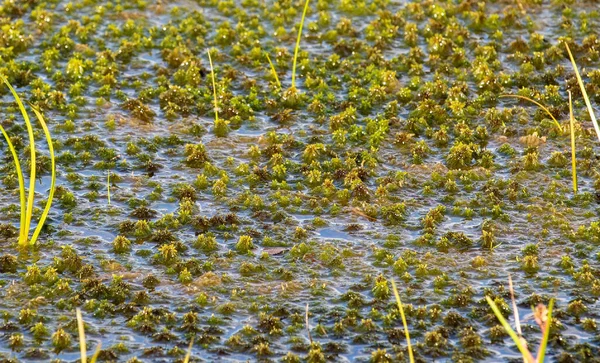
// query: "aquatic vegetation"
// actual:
[[82, 340], [297, 48], [584, 92], [543, 318], [27, 208], [273, 71], [108, 187], [573, 156], [540, 106], [396, 154], [404, 324], [221, 127]]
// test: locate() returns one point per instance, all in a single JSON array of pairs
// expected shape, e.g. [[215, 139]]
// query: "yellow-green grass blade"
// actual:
[[406, 333], [96, 353], [524, 351], [31, 194], [539, 105], [189, 351], [298, 44], [584, 92], [80, 328], [273, 70], [38, 229], [82, 347], [11, 147], [544, 343], [212, 74], [573, 159]]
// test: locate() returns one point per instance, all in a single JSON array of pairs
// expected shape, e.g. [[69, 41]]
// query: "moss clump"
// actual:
[[244, 244], [61, 340], [454, 239], [139, 110], [40, 332], [460, 155], [150, 282], [530, 264], [168, 253], [121, 244], [16, 342], [221, 127], [196, 155], [8, 263], [7, 231], [206, 242], [185, 277], [381, 290], [393, 214]]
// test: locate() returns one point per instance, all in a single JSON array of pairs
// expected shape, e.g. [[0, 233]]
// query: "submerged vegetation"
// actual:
[[218, 167]]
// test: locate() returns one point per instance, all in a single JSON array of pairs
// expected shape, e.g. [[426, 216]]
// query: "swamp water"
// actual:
[[395, 158]]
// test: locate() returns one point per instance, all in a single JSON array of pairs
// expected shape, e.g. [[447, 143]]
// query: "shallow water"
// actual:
[[310, 247]]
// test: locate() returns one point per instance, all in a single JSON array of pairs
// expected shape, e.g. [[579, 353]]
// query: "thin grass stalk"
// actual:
[[212, 74], [189, 352], [42, 220], [544, 344], [522, 348], [31, 194], [82, 344], [516, 314], [273, 70], [11, 147], [307, 325], [411, 357], [81, 329], [108, 186], [514, 306], [573, 158], [584, 92], [539, 105], [296, 50]]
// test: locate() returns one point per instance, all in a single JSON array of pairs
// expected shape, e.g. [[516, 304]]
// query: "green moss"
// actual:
[[196, 155], [244, 244], [460, 156], [8, 263], [61, 340], [121, 244]]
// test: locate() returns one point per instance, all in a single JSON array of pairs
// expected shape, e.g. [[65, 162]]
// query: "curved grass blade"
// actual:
[[31, 194], [81, 330], [212, 74], [298, 44], [411, 357], [38, 229], [524, 351], [539, 105], [273, 70], [96, 353], [573, 159], [584, 92], [22, 231], [544, 343], [189, 352]]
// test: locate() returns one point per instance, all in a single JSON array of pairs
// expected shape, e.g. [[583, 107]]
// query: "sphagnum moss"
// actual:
[[416, 73]]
